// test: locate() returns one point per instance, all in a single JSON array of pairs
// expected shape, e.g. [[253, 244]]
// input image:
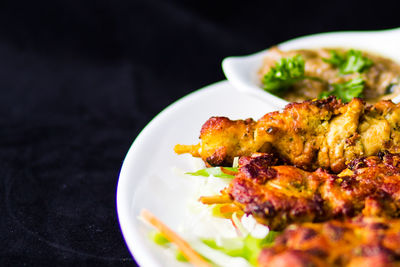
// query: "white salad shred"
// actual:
[[217, 257], [235, 162], [199, 220], [199, 223]]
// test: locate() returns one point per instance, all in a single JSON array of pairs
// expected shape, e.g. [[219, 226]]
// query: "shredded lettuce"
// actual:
[[239, 225], [179, 256], [235, 163], [221, 248], [216, 212], [247, 247], [216, 257], [216, 172], [158, 238], [230, 246]]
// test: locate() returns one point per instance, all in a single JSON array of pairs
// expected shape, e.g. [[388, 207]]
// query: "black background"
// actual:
[[80, 79]]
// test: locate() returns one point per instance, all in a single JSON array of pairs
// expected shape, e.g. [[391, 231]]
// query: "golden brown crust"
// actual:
[[309, 135], [280, 195], [362, 241], [298, 132], [222, 139]]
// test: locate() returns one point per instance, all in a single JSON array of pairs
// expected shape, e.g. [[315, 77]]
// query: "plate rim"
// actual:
[[139, 252]]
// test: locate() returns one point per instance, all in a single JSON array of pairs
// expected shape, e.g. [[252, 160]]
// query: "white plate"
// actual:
[[147, 180], [242, 71]]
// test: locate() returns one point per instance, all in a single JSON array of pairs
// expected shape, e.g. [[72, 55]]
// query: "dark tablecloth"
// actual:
[[80, 79]]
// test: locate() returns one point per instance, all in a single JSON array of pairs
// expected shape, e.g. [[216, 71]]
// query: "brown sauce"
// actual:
[[382, 79]]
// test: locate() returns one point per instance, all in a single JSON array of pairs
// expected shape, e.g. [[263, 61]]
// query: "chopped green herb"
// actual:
[[346, 91], [286, 72], [159, 238], [247, 247], [216, 172], [335, 59], [352, 61]]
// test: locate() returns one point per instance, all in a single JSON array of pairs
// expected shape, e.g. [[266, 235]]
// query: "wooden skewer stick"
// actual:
[[192, 149], [229, 208], [229, 172], [219, 199], [190, 254]]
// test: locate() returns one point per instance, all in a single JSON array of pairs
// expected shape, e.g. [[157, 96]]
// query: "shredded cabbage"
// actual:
[[235, 163], [158, 238], [210, 233], [217, 256], [239, 225]]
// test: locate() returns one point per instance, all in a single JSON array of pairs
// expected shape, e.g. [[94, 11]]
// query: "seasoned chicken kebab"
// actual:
[[278, 195], [362, 241], [310, 135]]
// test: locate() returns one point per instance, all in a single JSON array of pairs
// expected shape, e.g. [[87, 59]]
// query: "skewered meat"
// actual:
[[309, 135], [362, 241], [280, 195]]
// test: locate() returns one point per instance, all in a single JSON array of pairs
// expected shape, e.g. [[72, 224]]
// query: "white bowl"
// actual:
[[242, 71]]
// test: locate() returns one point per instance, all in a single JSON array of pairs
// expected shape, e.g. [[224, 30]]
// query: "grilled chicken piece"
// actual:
[[362, 241], [309, 135], [280, 195]]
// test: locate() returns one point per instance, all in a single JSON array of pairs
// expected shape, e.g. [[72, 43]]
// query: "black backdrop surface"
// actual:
[[80, 79]]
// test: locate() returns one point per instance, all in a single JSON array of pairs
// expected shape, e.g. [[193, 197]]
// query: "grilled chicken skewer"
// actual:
[[361, 241], [280, 195], [309, 135]]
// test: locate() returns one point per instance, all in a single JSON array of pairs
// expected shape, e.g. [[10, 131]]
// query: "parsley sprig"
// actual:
[[286, 72], [351, 62], [346, 91]]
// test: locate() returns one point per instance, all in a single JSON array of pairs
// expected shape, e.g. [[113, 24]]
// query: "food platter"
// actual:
[[152, 176], [147, 179]]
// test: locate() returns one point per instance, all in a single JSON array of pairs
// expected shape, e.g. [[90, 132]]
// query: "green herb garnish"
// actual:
[[286, 72], [216, 172], [346, 91], [352, 61]]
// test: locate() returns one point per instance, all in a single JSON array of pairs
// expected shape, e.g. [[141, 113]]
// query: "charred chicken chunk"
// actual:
[[280, 195], [361, 241]]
